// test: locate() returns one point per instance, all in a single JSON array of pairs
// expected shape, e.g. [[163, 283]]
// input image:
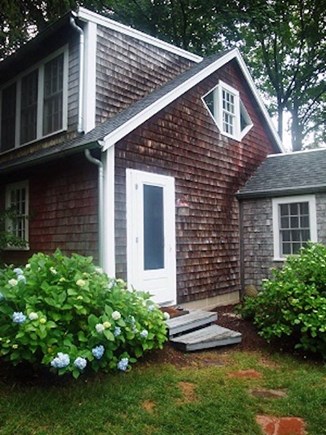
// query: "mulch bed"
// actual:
[[227, 317]]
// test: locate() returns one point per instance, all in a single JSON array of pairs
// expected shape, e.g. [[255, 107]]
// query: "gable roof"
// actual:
[[288, 174], [87, 15], [116, 128]]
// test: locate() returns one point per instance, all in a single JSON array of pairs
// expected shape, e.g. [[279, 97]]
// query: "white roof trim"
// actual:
[[171, 96], [86, 15], [290, 153]]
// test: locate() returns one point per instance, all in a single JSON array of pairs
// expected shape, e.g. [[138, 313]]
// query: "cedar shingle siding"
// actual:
[[127, 70], [62, 208], [184, 142]]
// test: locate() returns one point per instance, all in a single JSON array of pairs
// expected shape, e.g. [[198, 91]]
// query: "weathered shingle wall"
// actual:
[[257, 237], [128, 69], [62, 208], [257, 240], [183, 141]]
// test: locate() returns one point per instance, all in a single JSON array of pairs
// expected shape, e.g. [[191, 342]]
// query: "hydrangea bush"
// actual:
[[292, 304], [65, 313]]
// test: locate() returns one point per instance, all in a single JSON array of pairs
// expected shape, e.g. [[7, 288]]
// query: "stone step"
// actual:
[[194, 320], [205, 338]]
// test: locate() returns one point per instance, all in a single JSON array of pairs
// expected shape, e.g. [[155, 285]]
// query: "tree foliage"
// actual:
[[283, 40]]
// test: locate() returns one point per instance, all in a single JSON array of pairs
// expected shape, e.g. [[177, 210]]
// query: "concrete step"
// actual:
[[194, 320], [205, 338]]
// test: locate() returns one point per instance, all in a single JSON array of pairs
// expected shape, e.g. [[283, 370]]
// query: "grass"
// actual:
[[198, 399]]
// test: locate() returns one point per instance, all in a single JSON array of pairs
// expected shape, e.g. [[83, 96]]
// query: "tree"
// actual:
[[283, 40], [285, 45]]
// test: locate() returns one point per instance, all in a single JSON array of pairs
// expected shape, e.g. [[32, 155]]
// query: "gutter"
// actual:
[[80, 128], [99, 164]]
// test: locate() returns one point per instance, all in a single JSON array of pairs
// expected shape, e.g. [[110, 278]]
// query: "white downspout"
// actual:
[[80, 127], [99, 164]]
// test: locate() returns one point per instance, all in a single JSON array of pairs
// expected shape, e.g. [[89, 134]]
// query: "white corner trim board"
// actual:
[[86, 15]]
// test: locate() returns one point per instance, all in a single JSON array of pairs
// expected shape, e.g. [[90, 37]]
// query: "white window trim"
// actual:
[[39, 123], [218, 109], [9, 188], [311, 199]]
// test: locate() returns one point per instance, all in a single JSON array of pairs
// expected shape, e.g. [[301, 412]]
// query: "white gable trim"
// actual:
[[86, 15], [171, 96]]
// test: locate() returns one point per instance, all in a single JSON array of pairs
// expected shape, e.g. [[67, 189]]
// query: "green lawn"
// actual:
[[199, 398]]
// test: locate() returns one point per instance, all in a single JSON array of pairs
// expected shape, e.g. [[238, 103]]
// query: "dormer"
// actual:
[[77, 73]]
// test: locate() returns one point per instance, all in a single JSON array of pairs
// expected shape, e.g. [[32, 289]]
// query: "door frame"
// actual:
[[134, 211]]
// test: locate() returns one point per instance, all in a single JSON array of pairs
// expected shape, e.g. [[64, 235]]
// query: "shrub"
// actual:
[[293, 302], [66, 314]]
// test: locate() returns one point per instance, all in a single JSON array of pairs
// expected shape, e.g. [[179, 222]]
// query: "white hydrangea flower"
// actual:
[[99, 328], [116, 315], [81, 283], [13, 282], [53, 271], [33, 316], [166, 316]]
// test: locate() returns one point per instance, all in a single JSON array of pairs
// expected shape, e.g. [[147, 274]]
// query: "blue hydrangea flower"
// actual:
[[18, 317], [80, 363], [123, 364], [151, 307], [131, 320], [117, 331], [60, 361], [1, 297], [144, 333], [98, 351], [21, 278], [18, 271]]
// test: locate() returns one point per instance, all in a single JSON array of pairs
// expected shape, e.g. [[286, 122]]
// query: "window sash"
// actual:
[[17, 201], [53, 95], [28, 111], [294, 225], [227, 110], [38, 110], [8, 118]]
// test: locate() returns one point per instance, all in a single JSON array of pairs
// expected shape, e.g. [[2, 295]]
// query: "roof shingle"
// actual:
[[286, 174]]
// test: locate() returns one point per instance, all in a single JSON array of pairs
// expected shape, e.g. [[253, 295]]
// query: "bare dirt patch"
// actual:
[[148, 406], [188, 392]]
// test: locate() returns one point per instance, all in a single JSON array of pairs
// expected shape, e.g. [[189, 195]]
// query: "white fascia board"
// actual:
[[86, 15], [160, 104], [171, 96], [259, 100]]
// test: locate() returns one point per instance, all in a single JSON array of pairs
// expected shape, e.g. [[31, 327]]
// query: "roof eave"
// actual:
[[47, 156], [286, 191], [151, 110]]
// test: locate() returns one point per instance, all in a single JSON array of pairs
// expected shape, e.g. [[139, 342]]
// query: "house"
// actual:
[[282, 206], [118, 145]]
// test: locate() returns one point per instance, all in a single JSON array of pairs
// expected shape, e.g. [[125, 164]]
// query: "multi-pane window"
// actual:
[[53, 95], [28, 107], [17, 204], [8, 118], [294, 224], [294, 227], [228, 111], [34, 106]]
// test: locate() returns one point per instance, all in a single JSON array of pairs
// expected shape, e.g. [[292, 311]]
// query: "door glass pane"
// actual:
[[153, 228]]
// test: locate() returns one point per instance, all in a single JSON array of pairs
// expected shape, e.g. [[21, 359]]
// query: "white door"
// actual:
[[151, 262]]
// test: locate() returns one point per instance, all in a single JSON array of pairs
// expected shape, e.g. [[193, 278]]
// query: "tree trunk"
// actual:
[[280, 110], [296, 128]]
